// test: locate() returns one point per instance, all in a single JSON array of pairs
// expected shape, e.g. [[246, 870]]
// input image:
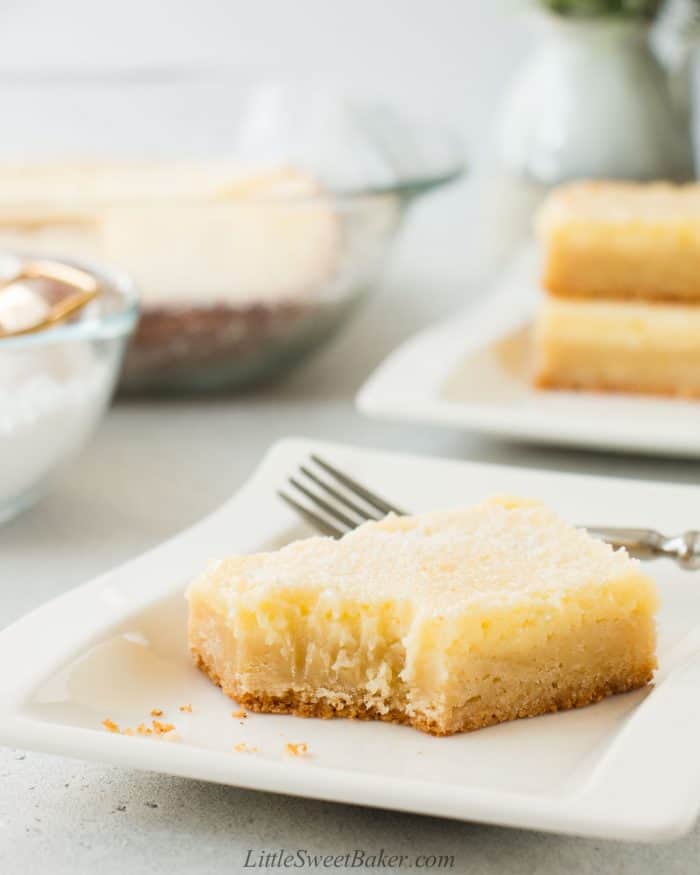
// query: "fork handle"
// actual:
[[649, 544]]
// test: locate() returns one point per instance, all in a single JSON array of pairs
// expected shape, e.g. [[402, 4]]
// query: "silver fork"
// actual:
[[334, 503]]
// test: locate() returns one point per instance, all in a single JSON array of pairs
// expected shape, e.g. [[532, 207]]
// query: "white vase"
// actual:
[[593, 101]]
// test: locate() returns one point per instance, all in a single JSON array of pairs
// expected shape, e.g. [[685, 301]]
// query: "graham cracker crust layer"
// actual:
[[567, 292], [465, 719], [549, 381]]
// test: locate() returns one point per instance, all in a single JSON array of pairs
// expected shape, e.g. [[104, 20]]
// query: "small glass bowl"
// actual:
[[55, 385]]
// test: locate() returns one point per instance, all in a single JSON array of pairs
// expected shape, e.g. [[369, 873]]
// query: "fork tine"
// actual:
[[355, 508], [370, 497], [313, 519], [332, 512]]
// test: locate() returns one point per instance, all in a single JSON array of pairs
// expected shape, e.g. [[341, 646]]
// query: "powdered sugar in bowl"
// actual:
[[56, 383]]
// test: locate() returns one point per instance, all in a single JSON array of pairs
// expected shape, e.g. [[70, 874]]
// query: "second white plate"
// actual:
[[473, 372]]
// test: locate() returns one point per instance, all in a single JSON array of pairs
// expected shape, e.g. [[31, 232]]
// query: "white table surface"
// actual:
[[154, 468]]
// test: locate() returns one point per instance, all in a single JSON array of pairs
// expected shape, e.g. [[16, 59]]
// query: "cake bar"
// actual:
[[448, 621], [623, 346], [622, 240]]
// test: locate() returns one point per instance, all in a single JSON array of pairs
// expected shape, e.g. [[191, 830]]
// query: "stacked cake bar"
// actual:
[[622, 276]]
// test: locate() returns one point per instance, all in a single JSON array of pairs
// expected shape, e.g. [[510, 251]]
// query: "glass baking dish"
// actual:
[[253, 220]]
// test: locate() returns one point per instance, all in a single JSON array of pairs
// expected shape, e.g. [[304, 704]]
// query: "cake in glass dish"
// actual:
[[252, 219], [227, 258], [447, 621]]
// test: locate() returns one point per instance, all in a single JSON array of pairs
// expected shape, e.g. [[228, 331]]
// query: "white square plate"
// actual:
[[473, 372], [626, 768]]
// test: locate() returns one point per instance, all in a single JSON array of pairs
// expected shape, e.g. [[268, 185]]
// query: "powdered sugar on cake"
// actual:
[[501, 551]]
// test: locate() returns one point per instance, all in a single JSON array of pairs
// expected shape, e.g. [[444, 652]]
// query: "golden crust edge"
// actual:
[[293, 703], [549, 381], [674, 299]]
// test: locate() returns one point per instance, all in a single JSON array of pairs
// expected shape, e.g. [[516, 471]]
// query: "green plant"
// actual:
[[621, 8]]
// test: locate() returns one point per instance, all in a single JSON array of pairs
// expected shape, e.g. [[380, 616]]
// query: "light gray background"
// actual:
[[156, 467]]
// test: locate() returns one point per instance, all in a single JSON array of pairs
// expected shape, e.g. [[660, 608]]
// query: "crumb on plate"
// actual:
[[186, 708], [156, 712], [157, 728], [240, 714], [297, 750], [242, 747]]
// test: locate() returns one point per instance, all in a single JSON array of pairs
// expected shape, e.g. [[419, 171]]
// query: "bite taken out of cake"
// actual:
[[448, 621]]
